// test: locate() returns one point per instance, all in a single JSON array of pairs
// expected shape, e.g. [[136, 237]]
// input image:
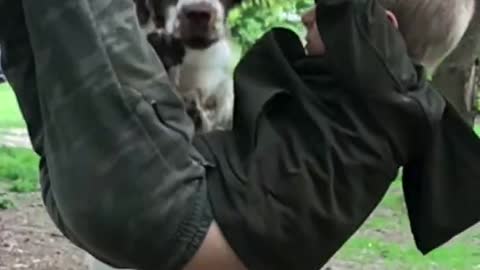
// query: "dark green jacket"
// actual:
[[317, 142]]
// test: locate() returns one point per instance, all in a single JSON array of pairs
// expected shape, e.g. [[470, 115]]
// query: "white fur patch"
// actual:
[[205, 68], [170, 18], [207, 73]]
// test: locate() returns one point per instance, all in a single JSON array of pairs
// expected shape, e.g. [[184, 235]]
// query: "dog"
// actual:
[[191, 38]]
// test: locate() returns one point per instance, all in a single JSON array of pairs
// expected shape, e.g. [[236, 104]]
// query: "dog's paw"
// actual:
[[169, 49], [194, 112]]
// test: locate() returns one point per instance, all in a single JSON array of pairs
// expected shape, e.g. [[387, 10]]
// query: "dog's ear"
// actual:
[[159, 7], [142, 10]]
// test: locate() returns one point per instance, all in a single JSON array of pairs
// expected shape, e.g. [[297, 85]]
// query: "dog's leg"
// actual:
[[193, 110], [174, 74], [225, 99]]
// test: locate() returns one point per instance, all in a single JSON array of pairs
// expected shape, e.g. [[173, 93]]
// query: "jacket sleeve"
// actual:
[[441, 187], [441, 184]]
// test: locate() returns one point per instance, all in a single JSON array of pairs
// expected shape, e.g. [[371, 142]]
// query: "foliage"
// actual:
[[253, 18]]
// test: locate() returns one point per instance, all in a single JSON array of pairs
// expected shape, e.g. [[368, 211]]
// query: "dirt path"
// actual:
[[14, 138], [28, 238], [30, 241]]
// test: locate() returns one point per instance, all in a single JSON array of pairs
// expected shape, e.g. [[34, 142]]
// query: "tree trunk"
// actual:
[[456, 78]]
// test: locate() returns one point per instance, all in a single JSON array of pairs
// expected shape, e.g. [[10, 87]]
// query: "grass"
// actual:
[[10, 116], [383, 242], [367, 251], [19, 169]]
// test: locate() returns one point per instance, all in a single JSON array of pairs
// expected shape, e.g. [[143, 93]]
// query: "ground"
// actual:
[[29, 240]]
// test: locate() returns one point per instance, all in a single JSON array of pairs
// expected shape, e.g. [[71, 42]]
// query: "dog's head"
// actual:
[[197, 23]]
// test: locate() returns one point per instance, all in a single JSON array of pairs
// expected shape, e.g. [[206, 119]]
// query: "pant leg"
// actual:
[[20, 68], [127, 184]]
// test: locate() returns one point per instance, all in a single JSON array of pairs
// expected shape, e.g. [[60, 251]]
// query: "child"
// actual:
[[316, 141]]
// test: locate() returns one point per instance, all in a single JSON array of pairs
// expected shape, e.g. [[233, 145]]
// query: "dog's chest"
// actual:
[[205, 70]]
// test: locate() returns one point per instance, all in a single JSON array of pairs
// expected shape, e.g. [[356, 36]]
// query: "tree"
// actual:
[[254, 17], [456, 78]]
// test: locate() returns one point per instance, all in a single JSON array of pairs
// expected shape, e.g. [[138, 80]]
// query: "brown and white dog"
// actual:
[[191, 38]]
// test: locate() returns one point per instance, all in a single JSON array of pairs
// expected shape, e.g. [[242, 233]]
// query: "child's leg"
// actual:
[[123, 180]]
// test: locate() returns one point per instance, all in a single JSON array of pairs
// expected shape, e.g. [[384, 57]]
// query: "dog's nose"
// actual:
[[201, 14]]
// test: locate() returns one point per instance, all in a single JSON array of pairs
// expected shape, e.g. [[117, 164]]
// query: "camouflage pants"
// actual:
[[119, 174]]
